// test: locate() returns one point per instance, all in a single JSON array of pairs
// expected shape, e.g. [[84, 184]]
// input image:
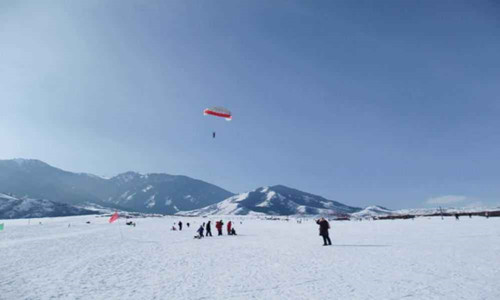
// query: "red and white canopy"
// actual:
[[219, 112]]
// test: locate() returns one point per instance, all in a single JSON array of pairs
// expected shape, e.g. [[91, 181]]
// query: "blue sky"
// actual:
[[364, 102]]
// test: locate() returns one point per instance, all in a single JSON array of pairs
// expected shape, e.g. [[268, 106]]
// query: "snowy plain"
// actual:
[[427, 258]]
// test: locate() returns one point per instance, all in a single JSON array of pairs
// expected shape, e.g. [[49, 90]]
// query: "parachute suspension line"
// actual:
[[219, 112]]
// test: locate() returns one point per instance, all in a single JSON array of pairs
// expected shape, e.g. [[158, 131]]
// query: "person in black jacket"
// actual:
[[200, 232], [180, 225], [323, 231], [208, 228]]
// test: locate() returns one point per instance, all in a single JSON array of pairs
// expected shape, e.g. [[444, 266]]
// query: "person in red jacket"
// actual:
[[219, 225], [229, 228]]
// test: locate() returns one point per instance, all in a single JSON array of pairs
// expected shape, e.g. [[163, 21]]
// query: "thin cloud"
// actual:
[[448, 199], [475, 204]]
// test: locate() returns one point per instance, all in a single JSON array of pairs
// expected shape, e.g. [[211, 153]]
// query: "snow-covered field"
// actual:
[[427, 258]]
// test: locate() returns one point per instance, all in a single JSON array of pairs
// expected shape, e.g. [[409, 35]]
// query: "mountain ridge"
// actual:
[[275, 200], [12, 207], [148, 193]]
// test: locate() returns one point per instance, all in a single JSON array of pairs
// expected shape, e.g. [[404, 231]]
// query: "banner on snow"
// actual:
[[114, 217]]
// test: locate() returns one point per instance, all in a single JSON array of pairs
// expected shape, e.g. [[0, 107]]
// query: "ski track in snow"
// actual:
[[427, 258]]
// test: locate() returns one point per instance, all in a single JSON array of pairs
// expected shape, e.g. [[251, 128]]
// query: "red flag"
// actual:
[[114, 217]]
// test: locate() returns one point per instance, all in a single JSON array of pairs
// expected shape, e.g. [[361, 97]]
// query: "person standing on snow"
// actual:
[[180, 225], [229, 228], [323, 231], [219, 225], [209, 229]]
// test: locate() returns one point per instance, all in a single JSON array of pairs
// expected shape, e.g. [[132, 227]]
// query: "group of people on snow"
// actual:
[[218, 225], [206, 229]]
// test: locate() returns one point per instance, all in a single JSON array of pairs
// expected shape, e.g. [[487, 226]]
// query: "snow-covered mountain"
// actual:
[[444, 210], [379, 211], [35, 179], [15, 208], [162, 193], [149, 193], [275, 200], [373, 211]]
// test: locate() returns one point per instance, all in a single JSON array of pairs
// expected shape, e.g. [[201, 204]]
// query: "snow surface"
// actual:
[[8, 197], [144, 190], [427, 258], [189, 198], [93, 176], [151, 201], [269, 196], [225, 207]]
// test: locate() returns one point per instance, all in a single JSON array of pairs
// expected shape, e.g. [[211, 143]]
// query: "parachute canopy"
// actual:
[[219, 112]]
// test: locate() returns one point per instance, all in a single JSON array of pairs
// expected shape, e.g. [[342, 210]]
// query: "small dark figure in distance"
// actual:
[[324, 226], [457, 217], [187, 225], [487, 215], [180, 225], [209, 229], [233, 232], [470, 216]]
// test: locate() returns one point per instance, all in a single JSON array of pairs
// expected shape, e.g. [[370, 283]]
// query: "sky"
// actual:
[[394, 103]]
